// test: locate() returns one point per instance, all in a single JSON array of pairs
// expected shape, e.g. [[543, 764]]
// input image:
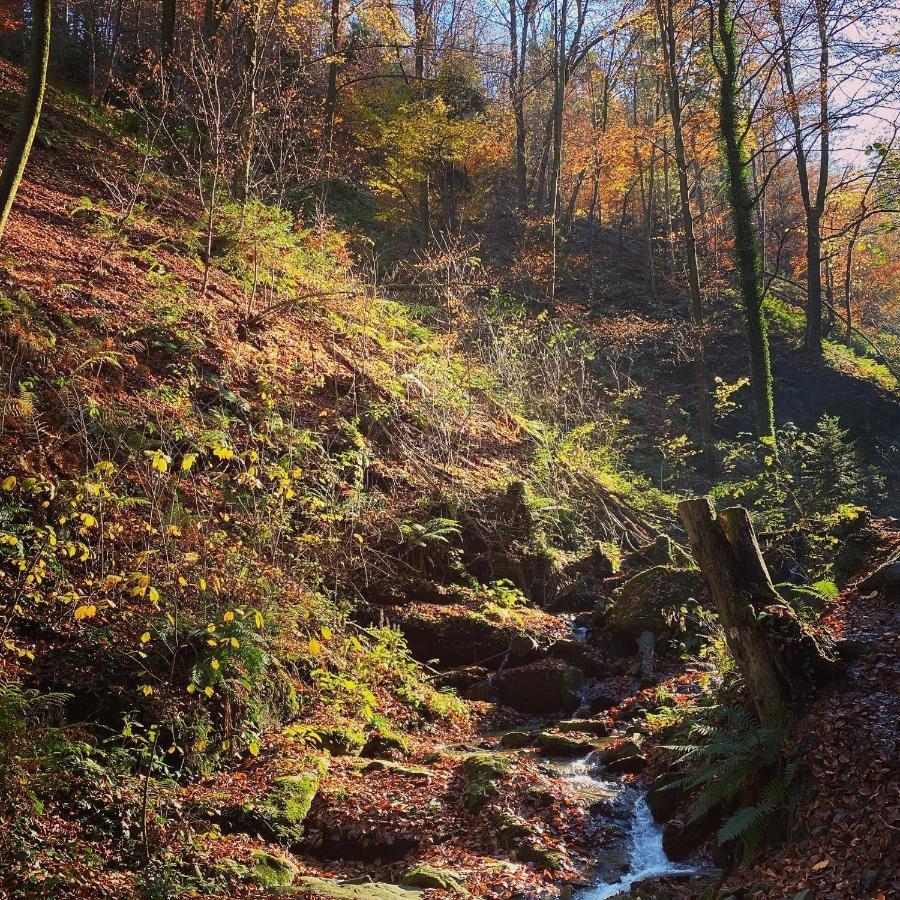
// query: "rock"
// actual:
[[855, 550], [503, 539], [662, 552], [611, 862], [542, 687], [849, 649], [480, 693], [342, 741], [577, 654], [514, 740], [457, 636], [462, 678], [628, 765], [885, 577], [280, 812], [562, 744], [620, 750], [338, 890], [680, 840], [662, 799], [424, 876], [384, 745], [584, 726], [642, 604], [647, 654], [482, 771], [582, 580], [388, 765], [601, 701], [269, 870], [519, 838]]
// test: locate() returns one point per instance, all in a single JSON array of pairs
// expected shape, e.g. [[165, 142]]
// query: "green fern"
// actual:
[[736, 765]]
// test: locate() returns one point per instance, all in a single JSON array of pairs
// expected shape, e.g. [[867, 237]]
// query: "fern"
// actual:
[[736, 764]]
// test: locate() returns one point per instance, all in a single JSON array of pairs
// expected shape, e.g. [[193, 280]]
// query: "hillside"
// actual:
[[318, 588]]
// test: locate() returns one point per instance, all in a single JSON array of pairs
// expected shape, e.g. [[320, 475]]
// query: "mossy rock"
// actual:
[[563, 744], [425, 876], [342, 740], [482, 772], [542, 687], [515, 740], [389, 765], [578, 655], [644, 602], [385, 744], [519, 838], [593, 727], [366, 890], [269, 870], [279, 814]]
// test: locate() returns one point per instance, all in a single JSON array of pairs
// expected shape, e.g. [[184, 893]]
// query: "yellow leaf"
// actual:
[[214, 663], [326, 633], [187, 461], [315, 647], [146, 690], [86, 611], [228, 617], [191, 688], [88, 520], [208, 691], [9, 482], [153, 593], [145, 637], [822, 864], [253, 747], [235, 643]]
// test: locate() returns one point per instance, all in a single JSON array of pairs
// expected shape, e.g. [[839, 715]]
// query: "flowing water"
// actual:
[[643, 844]]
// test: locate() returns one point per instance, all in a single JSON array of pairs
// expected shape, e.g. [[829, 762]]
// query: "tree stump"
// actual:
[[780, 660]]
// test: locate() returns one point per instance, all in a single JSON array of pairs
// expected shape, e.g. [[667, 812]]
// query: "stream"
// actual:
[[642, 841]]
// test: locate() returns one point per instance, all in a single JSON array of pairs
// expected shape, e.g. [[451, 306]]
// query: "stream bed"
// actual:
[[642, 843]]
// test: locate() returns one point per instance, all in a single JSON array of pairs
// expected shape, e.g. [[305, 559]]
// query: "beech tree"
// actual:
[[30, 115]]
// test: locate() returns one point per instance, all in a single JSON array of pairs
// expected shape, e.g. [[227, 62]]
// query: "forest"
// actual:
[[450, 448]]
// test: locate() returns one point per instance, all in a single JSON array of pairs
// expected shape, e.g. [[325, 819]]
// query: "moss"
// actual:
[[334, 890], [281, 811], [645, 601], [517, 836], [482, 771], [342, 741], [424, 876], [269, 870]]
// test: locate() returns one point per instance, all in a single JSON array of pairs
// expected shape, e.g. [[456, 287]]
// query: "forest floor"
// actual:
[[105, 335]]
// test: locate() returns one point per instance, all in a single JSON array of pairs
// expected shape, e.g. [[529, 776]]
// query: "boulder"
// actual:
[[542, 687], [342, 740], [663, 799], [521, 840], [483, 772], [352, 890], [462, 678], [515, 740], [682, 839], [389, 765], [279, 813], [384, 744], [662, 552], [577, 654], [583, 580], [647, 602], [270, 870], [583, 726], [556, 744], [425, 876]]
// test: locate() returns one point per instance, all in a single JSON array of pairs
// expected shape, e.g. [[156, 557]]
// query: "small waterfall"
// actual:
[[646, 856]]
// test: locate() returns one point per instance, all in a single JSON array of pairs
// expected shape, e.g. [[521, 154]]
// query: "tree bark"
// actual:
[[20, 147], [779, 660], [241, 180], [746, 245], [167, 29], [666, 19]]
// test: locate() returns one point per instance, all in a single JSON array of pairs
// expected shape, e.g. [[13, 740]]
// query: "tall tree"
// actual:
[[733, 131], [813, 187], [665, 17], [20, 147]]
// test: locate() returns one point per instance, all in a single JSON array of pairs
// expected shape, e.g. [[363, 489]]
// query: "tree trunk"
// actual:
[[666, 19], [746, 247], [779, 660], [331, 90], [423, 189], [241, 180], [20, 147], [167, 29]]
